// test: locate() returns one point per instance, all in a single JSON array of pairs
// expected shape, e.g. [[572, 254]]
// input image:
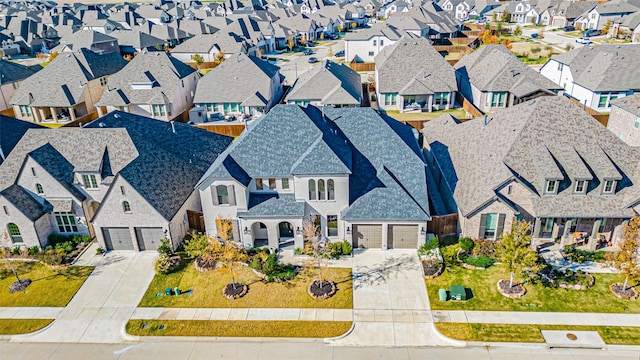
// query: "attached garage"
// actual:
[[367, 236], [149, 238], [403, 237], [117, 238]]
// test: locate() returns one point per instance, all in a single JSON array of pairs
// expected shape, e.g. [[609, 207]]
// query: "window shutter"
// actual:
[[500, 227], [483, 224], [232, 195], [214, 195]]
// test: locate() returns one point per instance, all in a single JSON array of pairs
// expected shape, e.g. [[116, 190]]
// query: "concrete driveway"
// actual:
[[390, 302], [103, 305]]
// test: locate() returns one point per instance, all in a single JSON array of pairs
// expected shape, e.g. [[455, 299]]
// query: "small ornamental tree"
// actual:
[[290, 43], [625, 258], [230, 255], [219, 58], [517, 31], [606, 27], [197, 58], [506, 17], [52, 55], [515, 252], [311, 234], [507, 43]]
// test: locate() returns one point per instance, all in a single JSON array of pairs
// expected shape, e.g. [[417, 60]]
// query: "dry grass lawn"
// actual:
[[22, 326], [425, 116], [207, 288], [531, 333], [49, 287], [244, 328]]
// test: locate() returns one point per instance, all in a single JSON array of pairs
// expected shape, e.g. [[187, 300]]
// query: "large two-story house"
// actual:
[[367, 187], [545, 161], [596, 75]]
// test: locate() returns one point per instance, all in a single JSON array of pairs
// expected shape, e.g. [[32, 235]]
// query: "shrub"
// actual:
[[478, 261], [484, 247], [165, 248], [346, 248], [166, 264], [297, 251], [52, 257], [535, 50], [34, 250], [428, 246], [16, 251], [271, 269], [466, 243], [67, 246], [334, 250], [449, 255]]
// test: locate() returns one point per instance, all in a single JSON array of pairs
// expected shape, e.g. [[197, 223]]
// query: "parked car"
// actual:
[[340, 53], [569, 28], [591, 32], [313, 59], [307, 52], [584, 41]]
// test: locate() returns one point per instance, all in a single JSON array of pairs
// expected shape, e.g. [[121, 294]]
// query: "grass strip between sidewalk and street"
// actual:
[[239, 328], [22, 326], [616, 335]]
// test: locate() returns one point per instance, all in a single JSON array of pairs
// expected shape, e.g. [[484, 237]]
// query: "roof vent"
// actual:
[[102, 125], [116, 116]]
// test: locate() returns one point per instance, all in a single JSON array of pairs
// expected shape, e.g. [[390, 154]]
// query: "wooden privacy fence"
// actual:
[[443, 225], [362, 66], [468, 106], [223, 129], [453, 49], [602, 118], [204, 65]]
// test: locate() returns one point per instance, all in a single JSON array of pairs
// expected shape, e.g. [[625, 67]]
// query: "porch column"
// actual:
[[273, 236], [536, 228], [100, 111], [593, 239], [36, 115], [618, 233], [54, 116], [246, 237], [566, 235], [449, 98], [430, 101], [72, 113], [42, 116]]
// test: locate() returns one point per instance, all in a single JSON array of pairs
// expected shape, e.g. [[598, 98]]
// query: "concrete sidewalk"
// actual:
[[243, 314], [538, 318]]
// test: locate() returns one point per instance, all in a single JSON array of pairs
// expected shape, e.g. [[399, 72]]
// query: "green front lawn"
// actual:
[[425, 116], [49, 287], [531, 333], [239, 328], [22, 326], [483, 285], [207, 290]]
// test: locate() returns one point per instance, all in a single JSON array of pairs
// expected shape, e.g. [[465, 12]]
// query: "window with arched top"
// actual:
[[312, 189], [331, 195], [14, 233], [39, 189], [126, 207], [321, 190]]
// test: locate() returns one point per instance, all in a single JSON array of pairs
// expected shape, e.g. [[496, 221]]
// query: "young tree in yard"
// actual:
[[219, 58], [606, 27], [303, 40], [515, 252], [52, 56], [229, 254], [506, 17], [517, 31], [311, 234], [507, 44], [197, 58], [541, 34], [625, 258], [290, 43], [339, 28]]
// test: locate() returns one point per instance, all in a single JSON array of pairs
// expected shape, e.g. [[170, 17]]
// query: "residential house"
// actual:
[[363, 46], [366, 187], [49, 187], [88, 39], [330, 84], [153, 84], [565, 13], [208, 46], [597, 17], [493, 77], [67, 88], [596, 75], [427, 20], [544, 161], [12, 75], [135, 41], [624, 119], [235, 97], [412, 75], [11, 131]]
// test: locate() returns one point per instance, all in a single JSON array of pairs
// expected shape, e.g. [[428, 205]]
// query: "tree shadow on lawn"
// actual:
[[381, 273]]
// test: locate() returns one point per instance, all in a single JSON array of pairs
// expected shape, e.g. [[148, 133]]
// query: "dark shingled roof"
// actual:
[[11, 131], [277, 205], [24, 202], [57, 166]]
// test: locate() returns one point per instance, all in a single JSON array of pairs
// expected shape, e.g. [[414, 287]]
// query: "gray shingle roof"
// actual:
[[156, 67], [605, 67], [84, 39], [330, 83], [25, 203], [545, 138], [227, 83], [11, 131], [377, 29], [62, 82], [13, 72], [495, 68], [629, 103], [412, 66], [266, 205]]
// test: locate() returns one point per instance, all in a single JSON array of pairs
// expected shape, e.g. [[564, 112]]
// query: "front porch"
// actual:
[[426, 103], [58, 115], [586, 233]]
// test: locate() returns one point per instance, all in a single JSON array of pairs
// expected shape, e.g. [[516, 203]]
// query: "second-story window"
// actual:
[[609, 187], [272, 183], [126, 207], [90, 181], [285, 183], [552, 187], [312, 189], [321, 190], [39, 189], [331, 195], [581, 186], [258, 184]]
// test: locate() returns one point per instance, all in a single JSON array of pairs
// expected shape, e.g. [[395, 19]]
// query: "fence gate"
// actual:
[[196, 220]]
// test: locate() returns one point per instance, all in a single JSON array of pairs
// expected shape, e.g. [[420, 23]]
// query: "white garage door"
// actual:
[[117, 238], [367, 236], [149, 238], [403, 237]]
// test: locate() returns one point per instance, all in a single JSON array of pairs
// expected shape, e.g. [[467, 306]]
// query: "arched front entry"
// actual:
[[285, 231], [260, 234]]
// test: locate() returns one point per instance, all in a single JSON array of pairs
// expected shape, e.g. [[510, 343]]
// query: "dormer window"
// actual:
[[581, 187], [258, 184], [90, 181], [609, 187], [551, 187]]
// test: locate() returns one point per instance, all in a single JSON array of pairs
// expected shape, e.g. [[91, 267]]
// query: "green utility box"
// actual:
[[442, 294], [457, 292]]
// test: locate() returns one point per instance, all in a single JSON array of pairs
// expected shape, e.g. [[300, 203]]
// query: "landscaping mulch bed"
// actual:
[[515, 291], [431, 268], [202, 265], [626, 294], [19, 285], [235, 291], [322, 289]]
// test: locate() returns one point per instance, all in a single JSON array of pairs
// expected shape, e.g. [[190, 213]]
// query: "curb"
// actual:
[[10, 338], [340, 337], [453, 342]]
